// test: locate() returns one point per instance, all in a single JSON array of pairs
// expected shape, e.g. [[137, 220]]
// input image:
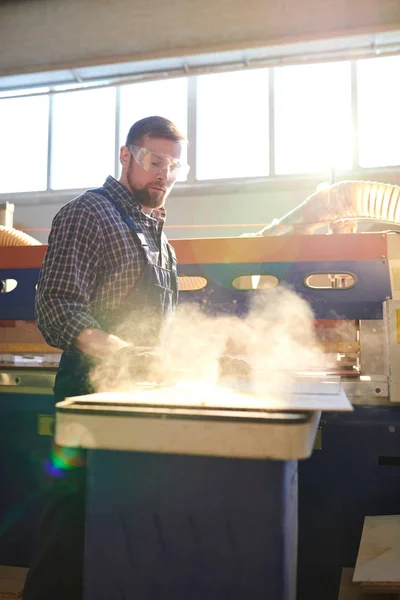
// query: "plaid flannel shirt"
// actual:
[[93, 261]]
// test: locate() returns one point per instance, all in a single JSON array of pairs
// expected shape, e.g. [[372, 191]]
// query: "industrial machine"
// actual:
[[351, 282]]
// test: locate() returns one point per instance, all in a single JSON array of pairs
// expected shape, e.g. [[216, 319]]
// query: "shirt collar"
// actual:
[[128, 200]]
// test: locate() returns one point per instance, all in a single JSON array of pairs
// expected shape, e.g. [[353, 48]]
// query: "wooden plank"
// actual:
[[380, 590], [195, 394], [294, 248], [352, 591], [27, 348], [378, 559], [21, 257], [12, 581]]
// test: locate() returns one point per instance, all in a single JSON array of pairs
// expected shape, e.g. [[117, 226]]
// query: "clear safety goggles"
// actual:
[[155, 162]]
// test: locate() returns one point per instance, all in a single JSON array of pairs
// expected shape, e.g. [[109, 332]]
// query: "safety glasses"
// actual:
[[155, 162]]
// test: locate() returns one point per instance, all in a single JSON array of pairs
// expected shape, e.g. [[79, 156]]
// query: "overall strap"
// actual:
[[126, 219], [174, 269], [172, 258]]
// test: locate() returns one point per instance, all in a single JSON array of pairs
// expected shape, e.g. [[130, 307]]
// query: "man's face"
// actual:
[[149, 183]]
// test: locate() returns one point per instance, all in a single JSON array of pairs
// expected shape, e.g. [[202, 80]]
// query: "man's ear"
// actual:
[[124, 156]]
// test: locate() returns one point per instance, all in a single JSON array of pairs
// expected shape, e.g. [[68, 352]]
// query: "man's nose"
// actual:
[[164, 173]]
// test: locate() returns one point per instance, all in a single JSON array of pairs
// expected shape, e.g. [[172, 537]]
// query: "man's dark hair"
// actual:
[[155, 127]]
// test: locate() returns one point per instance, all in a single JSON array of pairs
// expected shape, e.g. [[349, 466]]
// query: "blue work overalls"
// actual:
[[56, 571]]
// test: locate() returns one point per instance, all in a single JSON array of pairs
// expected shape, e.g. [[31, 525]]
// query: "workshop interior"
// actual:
[[286, 229]]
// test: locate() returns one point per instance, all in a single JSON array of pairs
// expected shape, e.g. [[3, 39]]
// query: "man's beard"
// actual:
[[143, 196], [149, 200]]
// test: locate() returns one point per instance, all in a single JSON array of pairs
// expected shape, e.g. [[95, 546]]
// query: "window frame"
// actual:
[[192, 183]]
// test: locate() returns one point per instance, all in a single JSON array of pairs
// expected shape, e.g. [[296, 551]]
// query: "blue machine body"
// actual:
[[355, 474], [189, 527], [24, 480], [362, 301]]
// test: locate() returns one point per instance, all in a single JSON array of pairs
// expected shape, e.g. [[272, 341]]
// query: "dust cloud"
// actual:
[[276, 337]]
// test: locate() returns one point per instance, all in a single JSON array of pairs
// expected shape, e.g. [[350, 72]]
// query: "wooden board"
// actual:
[[352, 591], [12, 582], [305, 395], [378, 561]]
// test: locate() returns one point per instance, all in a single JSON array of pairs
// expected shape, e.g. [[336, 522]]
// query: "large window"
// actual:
[[23, 144], [379, 111], [322, 117], [159, 98], [232, 125], [83, 140], [313, 122], [163, 98]]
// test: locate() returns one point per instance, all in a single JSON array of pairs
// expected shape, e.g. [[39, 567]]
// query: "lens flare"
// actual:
[[63, 460]]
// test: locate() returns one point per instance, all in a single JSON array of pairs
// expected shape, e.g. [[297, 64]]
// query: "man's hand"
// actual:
[[138, 365], [98, 344]]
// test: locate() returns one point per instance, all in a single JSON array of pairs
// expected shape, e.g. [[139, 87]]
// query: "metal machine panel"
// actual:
[[362, 301], [290, 258], [20, 303]]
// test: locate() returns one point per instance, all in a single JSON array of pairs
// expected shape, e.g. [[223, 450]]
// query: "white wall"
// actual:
[[190, 210], [206, 205]]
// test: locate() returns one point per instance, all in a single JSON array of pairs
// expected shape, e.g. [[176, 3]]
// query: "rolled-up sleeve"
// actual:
[[68, 276]]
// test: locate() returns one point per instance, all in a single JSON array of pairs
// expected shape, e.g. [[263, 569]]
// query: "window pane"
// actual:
[[232, 125], [378, 111], [313, 124], [23, 137], [83, 139], [162, 98]]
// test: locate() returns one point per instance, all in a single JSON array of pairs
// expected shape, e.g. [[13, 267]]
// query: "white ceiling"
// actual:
[[361, 46]]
